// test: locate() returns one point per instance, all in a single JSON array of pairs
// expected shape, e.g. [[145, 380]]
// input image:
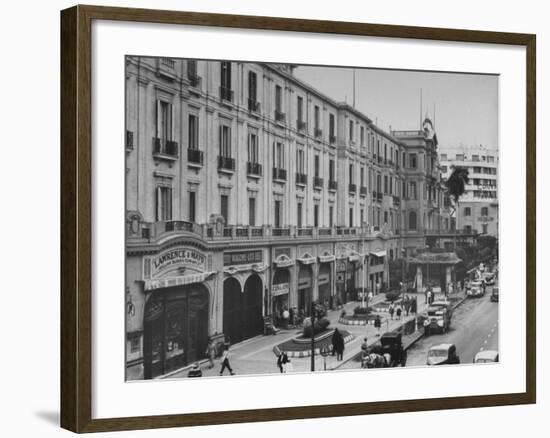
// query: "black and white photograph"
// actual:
[[286, 218]]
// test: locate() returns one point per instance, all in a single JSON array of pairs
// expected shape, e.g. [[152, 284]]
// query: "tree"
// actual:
[[456, 186]]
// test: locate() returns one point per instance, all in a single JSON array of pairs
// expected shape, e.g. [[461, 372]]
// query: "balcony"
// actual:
[[332, 185], [301, 178], [301, 126], [279, 174], [352, 188], [363, 191], [226, 163], [332, 139], [226, 94], [129, 141], [380, 160], [317, 182], [318, 133], [254, 168], [165, 149], [168, 62], [325, 231], [195, 156], [305, 232], [280, 117], [253, 106], [195, 81], [379, 196], [281, 232]]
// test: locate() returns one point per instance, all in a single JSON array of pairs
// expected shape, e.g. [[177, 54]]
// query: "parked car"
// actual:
[[486, 356], [475, 289], [443, 354], [494, 294]]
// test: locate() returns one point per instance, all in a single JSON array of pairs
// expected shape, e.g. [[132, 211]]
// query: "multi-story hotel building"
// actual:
[[477, 209], [249, 192]]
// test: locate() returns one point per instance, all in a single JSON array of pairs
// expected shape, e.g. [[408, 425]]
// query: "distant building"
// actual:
[[478, 207]]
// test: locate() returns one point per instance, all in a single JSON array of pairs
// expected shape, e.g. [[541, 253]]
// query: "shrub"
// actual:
[[319, 326], [392, 296], [362, 310]]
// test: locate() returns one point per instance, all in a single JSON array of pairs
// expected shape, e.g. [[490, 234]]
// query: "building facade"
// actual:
[[477, 209], [249, 193]]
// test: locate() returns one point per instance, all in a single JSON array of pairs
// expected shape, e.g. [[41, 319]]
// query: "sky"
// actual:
[[463, 106]]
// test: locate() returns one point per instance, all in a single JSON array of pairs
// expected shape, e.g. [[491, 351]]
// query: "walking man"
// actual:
[[398, 313], [390, 310], [225, 362], [377, 324]]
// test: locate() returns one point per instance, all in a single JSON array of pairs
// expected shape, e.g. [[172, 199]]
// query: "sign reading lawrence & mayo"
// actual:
[[174, 258]]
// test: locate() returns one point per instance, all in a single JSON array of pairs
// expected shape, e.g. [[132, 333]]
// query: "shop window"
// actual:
[[467, 211]]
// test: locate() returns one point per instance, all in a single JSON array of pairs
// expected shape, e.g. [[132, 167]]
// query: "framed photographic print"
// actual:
[[317, 229]]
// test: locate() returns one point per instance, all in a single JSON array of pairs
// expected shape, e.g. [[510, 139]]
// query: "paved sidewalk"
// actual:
[[255, 355]]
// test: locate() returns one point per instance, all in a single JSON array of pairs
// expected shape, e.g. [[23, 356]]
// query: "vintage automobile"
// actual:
[[486, 356], [494, 294], [489, 278], [475, 289], [438, 318], [390, 353], [443, 354]]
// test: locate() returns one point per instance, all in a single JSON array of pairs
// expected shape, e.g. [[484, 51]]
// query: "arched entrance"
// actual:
[[175, 329], [232, 310], [305, 277], [253, 294], [324, 282]]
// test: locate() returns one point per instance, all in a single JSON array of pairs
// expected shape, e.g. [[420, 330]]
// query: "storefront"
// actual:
[[175, 328], [351, 281], [324, 282], [279, 293], [305, 283], [341, 267]]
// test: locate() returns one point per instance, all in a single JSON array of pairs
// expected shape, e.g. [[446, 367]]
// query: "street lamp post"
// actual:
[[312, 336]]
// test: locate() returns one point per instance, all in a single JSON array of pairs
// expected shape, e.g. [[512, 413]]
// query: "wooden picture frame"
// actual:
[[76, 217]]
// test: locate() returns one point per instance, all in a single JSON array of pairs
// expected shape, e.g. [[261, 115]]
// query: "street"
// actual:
[[474, 327]]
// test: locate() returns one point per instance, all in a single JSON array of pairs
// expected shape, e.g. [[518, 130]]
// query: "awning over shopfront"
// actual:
[[440, 258], [283, 261], [306, 259], [354, 257], [379, 253], [160, 283], [327, 258], [256, 267]]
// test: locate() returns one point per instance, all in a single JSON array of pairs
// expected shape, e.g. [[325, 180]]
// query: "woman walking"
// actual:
[[225, 362]]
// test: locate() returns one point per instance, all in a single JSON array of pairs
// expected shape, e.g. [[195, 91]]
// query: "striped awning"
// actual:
[[160, 283], [327, 258], [378, 253]]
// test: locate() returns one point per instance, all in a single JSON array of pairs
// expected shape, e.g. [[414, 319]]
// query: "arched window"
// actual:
[[467, 211], [484, 211], [412, 220]]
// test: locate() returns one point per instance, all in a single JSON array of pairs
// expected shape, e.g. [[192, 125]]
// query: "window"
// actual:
[[385, 184], [224, 207], [225, 141], [475, 157], [484, 228], [379, 183], [300, 161], [412, 220], [351, 179], [277, 212], [164, 203], [385, 152], [331, 125], [351, 130], [135, 344], [362, 131], [351, 217], [253, 154], [226, 80], [300, 109], [192, 206], [299, 215], [362, 217], [390, 185], [404, 159], [252, 212], [164, 120], [331, 175], [330, 216], [467, 211], [316, 117], [362, 178], [412, 191], [193, 132], [490, 159], [316, 215], [404, 190], [278, 156], [191, 68], [443, 157], [468, 228], [385, 217], [278, 98], [252, 89], [444, 169], [316, 161], [484, 211], [459, 157], [412, 161]]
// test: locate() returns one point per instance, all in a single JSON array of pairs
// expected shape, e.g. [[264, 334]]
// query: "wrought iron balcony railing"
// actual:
[[195, 156], [301, 178], [352, 188], [226, 94], [279, 174], [332, 185], [226, 163], [253, 106], [280, 117], [317, 182], [165, 148], [254, 168]]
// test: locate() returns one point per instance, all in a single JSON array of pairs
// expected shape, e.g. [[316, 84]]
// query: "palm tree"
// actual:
[[456, 186]]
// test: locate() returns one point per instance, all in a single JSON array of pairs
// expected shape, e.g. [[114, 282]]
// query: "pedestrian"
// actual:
[[287, 367], [282, 360], [391, 310], [377, 324], [398, 313], [364, 346], [225, 362], [210, 353], [414, 305], [408, 303], [195, 371], [338, 344]]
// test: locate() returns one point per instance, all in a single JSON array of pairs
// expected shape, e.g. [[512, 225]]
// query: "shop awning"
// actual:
[[161, 283], [354, 258], [283, 261], [327, 258], [378, 253], [306, 260]]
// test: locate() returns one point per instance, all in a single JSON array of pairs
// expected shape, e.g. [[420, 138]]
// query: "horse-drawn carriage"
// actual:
[[389, 353]]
